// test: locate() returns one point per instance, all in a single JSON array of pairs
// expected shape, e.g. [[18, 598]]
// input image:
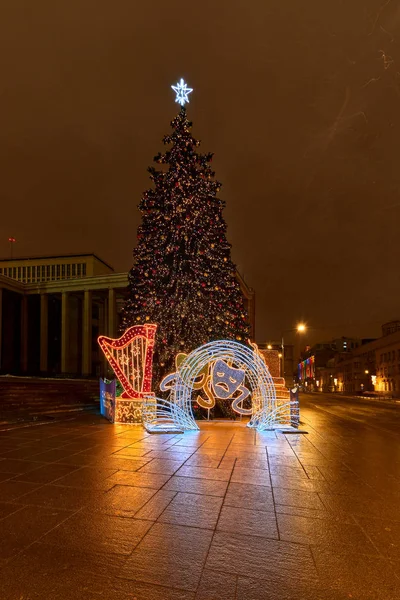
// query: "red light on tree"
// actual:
[[12, 239]]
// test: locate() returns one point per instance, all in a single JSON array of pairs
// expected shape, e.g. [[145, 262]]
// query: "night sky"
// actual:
[[299, 101]]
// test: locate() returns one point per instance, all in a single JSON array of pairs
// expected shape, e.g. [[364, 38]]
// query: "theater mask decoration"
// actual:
[[222, 369]]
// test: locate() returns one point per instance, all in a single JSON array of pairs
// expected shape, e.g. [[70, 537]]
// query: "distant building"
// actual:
[[53, 308], [316, 370], [367, 366]]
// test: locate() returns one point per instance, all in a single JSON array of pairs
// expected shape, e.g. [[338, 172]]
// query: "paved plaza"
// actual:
[[90, 511]]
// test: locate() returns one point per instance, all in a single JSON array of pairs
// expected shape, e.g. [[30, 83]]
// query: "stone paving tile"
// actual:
[[45, 572], [169, 454], [118, 464], [156, 505], [121, 589], [45, 474], [284, 461], [288, 472], [314, 473], [298, 498], [53, 455], [384, 534], [122, 500], [22, 528], [270, 560], [88, 531], [7, 509], [301, 484], [169, 553], [215, 585], [248, 522], [161, 465], [228, 462], [192, 485], [11, 490], [243, 495], [185, 450], [205, 473], [253, 451], [203, 460], [357, 576], [193, 510], [257, 589], [342, 504], [251, 476], [327, 533], [54, 496], [129, 451], [93, 477], [301, 511], [148, 480], [16, 467], [244, 463]]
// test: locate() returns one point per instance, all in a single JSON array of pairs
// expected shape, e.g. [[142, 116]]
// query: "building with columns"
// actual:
[[52, 310]]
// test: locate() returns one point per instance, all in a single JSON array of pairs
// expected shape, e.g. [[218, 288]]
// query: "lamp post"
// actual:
[[300, 328]]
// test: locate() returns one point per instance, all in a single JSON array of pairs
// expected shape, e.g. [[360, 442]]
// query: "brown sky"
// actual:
[[300, 101]]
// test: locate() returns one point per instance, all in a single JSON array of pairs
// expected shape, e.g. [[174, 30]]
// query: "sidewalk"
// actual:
[[90, 511]]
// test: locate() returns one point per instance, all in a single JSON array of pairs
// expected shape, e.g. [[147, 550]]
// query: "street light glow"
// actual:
[[301, 327], [269, 347]]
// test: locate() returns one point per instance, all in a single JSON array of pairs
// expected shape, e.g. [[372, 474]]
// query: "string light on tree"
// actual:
[[182, 92], [183, 277]]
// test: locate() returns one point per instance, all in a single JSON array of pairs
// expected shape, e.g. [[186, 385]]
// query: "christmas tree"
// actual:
[[183, 277]]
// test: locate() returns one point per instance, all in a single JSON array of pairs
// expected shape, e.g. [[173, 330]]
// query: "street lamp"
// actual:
[[269, 347], [300, 328]]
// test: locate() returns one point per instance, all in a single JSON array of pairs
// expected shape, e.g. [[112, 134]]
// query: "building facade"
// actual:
[[52, 310], [368, 366]]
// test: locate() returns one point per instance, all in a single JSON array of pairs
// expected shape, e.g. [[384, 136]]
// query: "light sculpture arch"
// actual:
[[177, 410]]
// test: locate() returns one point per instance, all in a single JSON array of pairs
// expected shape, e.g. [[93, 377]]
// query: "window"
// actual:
[[53, 271], [84, 269], [74, 270], [19, 273], [68, 270], [58, 271], [63, 271], [28, 269], [78, 270]]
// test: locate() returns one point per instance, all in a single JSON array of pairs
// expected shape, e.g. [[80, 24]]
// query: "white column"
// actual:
[[87, 333], [112, 314], [24, 333], [44, 332], [64, 332], [1, 324]]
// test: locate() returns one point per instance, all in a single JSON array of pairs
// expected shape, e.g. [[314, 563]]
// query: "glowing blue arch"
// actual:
[[175, 414]]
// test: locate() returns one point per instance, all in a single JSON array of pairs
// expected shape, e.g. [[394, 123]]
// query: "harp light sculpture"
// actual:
[[131, 358]]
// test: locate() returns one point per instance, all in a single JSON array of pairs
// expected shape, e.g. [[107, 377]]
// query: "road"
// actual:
[[381, 415]]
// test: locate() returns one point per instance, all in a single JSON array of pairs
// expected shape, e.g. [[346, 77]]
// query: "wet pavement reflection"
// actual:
[[91, 510]]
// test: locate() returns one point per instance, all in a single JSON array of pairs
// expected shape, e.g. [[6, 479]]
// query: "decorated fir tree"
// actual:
[[183, 277]]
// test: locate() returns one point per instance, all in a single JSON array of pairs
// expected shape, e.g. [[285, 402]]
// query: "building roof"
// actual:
[[54, 256]]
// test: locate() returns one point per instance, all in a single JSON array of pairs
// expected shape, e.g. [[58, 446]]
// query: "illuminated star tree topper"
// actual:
[[182, 92]]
